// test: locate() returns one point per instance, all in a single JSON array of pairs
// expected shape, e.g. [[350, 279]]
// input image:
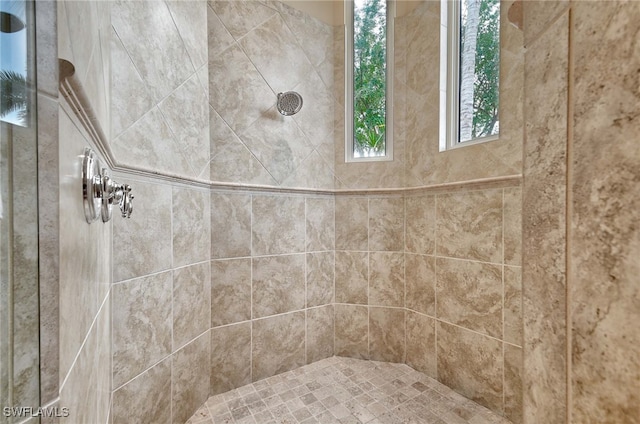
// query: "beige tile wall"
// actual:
[[83, 268], [544, 220], [243, 283], [580, 216], [272, 284], [159, 86], [433, 280], [256, 50], [161, 308]]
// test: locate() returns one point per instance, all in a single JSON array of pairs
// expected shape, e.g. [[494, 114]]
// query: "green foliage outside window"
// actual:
[[370, 55], [482, 19]]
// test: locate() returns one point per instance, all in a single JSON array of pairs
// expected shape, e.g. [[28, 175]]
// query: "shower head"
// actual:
[[289, 103]]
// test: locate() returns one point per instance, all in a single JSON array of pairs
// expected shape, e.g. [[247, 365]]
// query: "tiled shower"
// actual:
[[255, 249]]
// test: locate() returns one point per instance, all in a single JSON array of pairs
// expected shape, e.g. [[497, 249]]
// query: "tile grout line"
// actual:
[[435, 279], [251, 297], [503, 306]]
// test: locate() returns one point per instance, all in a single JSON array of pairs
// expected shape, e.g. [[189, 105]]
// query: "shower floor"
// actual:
[[345, 390]]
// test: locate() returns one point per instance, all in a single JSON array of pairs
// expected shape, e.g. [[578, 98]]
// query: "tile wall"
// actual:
[[161, 304], [434, 280], [580, 239], [214, 280], [84, 262], [605, 369], [272, 285], [159, 87], [256, 50]]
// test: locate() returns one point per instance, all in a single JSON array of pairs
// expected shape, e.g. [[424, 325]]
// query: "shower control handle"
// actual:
[[115, 193], [101, 192]]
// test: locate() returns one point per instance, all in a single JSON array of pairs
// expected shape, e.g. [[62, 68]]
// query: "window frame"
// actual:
[[449, 129], [349, 92]]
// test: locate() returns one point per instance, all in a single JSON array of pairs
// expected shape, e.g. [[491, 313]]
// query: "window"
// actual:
[[369, 77], [469, 72]]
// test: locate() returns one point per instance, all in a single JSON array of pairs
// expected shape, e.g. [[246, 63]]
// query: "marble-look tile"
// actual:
[[513, 226], [23, 258], [422, 42], [230, 357], [189, 384], [191, 302], [139, 146], [230, 291], [143, 242], [420, 216], [218, 36], [320, 278], [386, 279], [470, 364], [79, 393], [230, 225], [48, 241], [513, 328], [513, 383], [95, 88], [605, 223], [191, 226], [386, 224], [316, 118], [313, 172], [78, 250], [320, 219], [538, 15], [421, 343], [277, 142], [141, 325], [470, 295], [387, 334], [232, 80], [314, 36], [130, 98], [544, 225], [469, 225], [338, 64], [352, 277], [335, 387], [320, 330], [278, 57], [352, 223], [104, 361], [278, 284], [352, 331], [278, 344], [240, 17], [146, 399], [46, 44], [231, 160], [186, 111], [153, 42], [278, 225], [83, 33], [190, 18], [420, 280]]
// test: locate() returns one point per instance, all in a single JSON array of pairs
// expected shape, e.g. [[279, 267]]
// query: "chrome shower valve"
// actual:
[[101, 192]]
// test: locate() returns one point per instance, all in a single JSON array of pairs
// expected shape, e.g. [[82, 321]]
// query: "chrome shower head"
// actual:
[[289, 103]]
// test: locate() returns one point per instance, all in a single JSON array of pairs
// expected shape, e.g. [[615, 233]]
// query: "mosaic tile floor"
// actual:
[[345, 390]]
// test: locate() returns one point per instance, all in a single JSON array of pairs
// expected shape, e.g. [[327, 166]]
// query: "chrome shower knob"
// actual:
[[126, 203], [101, 192]]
